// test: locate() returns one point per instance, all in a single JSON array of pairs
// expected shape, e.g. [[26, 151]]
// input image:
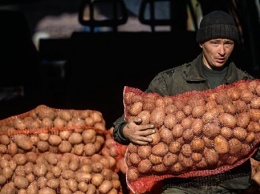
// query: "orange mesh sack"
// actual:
[[115, 150], [43, 129], [52, 150], [198, 133]]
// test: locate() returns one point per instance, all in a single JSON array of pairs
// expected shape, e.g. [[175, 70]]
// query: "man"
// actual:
[[216, 36]]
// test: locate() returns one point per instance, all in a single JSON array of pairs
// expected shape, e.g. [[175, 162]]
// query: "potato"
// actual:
[[198, 111], [65, 134], [196, 157], [187, 135], [186, 122], [23, 141], [67, 174], [20, 171], [82, 177], [74, 164], [255, 103], [19, 124], [47, 190], [43, 146], [75, 138], [3, 149], [186, 162], [180, 115], [51, 158], [160, 149], [78, 149], [234, 145], [40, 170], [32, 188], [145, 116], [178, 130], [97, 167], [157, 116], [144, 151], [54, 140], [187, 109], [246, 96], [171, 109], [72, 185], [211, 157], [91, 189], [89, 136], [59, 122], [136, 108], [197, 144], [43, 111], [229, 108], [4, 139], [105, 187], [227, 120], [53, 183], [186, 150], [226, 132], [155, 159], [83, 186], [97, 179], [47, 123], [170, 159], [170, 121], [221, 145], [20, 182], [8, 188], [43, 136], [97, 117], [211, 130], [254, 114], [89, 149], [65, 115], [177, 168], [65, 147], [175, 147], [240, 133], [30, 177], [132, 174], [134, 158], [7, 172], [2, 180]]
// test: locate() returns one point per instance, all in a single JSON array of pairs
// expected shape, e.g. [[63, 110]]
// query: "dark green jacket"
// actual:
[[188, 77]]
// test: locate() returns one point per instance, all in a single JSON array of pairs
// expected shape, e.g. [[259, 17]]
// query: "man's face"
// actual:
[[216, 52]]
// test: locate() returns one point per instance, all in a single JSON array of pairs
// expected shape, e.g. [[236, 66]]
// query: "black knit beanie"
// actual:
[[217, 24]]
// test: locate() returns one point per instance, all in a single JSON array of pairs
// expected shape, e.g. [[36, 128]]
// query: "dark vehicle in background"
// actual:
[[114, 43]]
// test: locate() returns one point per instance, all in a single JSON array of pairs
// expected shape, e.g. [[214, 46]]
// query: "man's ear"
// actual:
[[200, 45]]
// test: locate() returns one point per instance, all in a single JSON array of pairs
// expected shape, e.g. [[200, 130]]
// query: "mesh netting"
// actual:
[[198, 133], [50, 150]]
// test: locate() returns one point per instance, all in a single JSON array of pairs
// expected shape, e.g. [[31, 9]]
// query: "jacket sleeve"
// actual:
[[118, 131], [256, 156]]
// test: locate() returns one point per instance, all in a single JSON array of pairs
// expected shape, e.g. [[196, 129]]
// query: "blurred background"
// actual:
[[79, 54]]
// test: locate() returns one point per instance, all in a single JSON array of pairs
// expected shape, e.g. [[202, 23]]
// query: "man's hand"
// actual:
[[137, 133]]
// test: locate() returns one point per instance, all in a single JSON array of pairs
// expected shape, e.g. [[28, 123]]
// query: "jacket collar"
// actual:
[[193, 72]]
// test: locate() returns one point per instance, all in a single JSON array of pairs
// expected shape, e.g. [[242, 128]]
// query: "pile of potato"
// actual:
[[49, 150], [59, 131], [200, 131], [52, 173]]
